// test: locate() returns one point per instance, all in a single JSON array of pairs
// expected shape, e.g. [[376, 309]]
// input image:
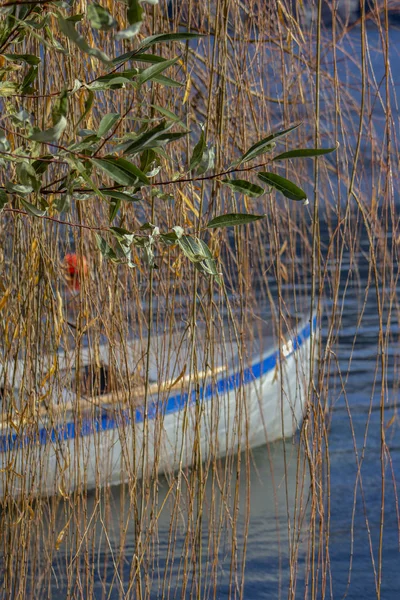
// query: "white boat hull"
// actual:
[[225, 414]]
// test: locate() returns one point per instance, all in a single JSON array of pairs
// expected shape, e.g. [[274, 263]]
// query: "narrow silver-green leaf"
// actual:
[[156, 137], [233, 219], [105, 248], [199, 254], [207, 160], [135, 19], [154, 70], [120, 170], [68, 29], [29, 59], [113, 209], [130, 32], [168, 37], [123, 196], [114, 171], [107, 122], [266, 144], [32, 209], [135, 11], [124, 236], [167, 81], [132, 169], [167, 113], [304, 153], [133, 55], [19, 189], [192, 248], [288, 188], [52, 134], [244, 187], [207, 266], [198, 151], [148, 58], [99, 17]]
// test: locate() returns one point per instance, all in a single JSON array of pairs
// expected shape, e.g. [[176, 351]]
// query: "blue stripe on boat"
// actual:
[[175, 403]]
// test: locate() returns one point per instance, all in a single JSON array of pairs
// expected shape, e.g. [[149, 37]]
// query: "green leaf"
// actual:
[[233, 219], [133, 55], [61, 107], [156, 192], [147, 139], [109, 83], [32, 209], [123, 253], [167, 81], [132, 170], [21, 118], [135, 19], [178, 231], [192, 248], [130, 32], [29, 59], [76, 18], [3, 199], [51, 42], [88, 143], [62, 203], [147, 58], [198, 151], [26, 175], [113, 210], [207, 161], [4, 143], [68, 29], [112, 170], [124, 237], [123, 58], [28, 80], [105, 248], [19, 189], [99, 17], [42, 164], [121, 196], [265, 145], [149, 163], [155, 137], [120, 170], [244, 187], [52, 134], [167, 37], [155, 70], [167, 113], [304, 153], [169, 239], [198, 253], [288, 188], [107, 122]]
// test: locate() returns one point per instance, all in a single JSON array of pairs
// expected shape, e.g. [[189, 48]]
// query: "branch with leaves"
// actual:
[[82, 163]]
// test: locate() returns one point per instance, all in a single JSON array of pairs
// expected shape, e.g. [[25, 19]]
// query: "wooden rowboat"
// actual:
[[87, 435]]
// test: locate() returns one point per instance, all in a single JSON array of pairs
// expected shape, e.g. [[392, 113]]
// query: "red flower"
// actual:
[[75, 266]]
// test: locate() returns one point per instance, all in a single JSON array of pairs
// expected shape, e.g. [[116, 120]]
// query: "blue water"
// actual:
[[355, 498]]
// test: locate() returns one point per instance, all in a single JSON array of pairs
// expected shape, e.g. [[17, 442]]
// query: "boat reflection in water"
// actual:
[[247, 500]]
